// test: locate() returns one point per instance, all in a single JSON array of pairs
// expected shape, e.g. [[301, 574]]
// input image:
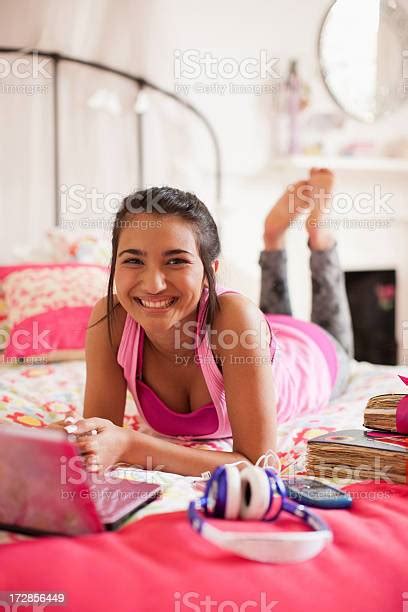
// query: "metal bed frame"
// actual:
[[141, 84]]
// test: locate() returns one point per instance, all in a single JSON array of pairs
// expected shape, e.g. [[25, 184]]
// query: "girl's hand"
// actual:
[[101, 442], [69, 418]]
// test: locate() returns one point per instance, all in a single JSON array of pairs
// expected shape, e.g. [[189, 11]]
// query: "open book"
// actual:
[[359, 455]]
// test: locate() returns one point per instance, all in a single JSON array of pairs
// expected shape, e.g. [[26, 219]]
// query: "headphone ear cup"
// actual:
[[255, 493], [223, 493]]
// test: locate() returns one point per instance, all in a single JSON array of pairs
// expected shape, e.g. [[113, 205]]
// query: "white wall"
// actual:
[[144, 36], [245, 126]]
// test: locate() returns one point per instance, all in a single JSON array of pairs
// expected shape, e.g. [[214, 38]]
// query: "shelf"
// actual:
[[375, 164]]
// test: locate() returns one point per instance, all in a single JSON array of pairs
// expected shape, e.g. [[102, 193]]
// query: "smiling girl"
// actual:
[[200, 360]]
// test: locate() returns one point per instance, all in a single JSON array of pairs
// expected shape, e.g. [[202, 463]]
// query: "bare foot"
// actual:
[[295, 200], [320, 237]]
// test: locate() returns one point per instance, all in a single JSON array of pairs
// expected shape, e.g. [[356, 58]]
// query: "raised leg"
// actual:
[[330, 307], [274, 298]]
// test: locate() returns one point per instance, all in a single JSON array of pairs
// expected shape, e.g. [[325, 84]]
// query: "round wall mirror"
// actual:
[[363, 54]]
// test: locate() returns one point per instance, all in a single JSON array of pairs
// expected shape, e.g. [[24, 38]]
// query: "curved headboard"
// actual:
[[142, 83]]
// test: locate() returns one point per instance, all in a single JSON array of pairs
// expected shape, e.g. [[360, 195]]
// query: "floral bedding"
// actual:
[[36, 395]]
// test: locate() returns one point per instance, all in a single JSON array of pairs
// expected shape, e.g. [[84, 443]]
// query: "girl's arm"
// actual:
[[250, 399], [249, 391], [164, 456], [247, 372], [105, 390]]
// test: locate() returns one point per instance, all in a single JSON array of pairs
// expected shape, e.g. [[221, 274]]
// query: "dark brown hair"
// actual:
[[162, 200]]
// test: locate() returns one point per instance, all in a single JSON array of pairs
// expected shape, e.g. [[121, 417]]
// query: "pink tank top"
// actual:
[[304, 366]]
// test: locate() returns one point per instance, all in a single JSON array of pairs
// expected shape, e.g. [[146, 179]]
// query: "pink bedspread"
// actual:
[[159, 563], [157, 556]]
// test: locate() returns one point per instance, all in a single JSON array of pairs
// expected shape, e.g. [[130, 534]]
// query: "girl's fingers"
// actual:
[[74, 418], [85, 426], [87, 454], [56, 425], [90, 458], [86, 431], [94, 468], [87, 451], [92, 463], [88, 445]]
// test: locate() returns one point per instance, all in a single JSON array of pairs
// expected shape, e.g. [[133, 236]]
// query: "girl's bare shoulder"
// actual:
[[237, 304], [238, 312]]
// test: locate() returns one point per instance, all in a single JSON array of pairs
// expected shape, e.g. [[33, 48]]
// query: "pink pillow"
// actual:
[[3, 308], [49, 306]]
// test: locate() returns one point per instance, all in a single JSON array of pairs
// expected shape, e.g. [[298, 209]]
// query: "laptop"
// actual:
[[45, 488]]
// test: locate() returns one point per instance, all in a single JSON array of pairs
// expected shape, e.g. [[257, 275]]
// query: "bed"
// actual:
[[155, 561], [39, 394]]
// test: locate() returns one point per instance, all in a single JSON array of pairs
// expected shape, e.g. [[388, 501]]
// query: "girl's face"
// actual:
[[159, 275]]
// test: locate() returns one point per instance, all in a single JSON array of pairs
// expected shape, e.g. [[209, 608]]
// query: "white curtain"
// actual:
[[98, 160]]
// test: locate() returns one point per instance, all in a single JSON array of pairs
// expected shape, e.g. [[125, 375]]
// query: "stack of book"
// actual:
[[384, 412], [378, 453]]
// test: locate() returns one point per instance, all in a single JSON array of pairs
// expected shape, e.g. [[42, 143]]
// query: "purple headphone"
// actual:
[[256, 493]]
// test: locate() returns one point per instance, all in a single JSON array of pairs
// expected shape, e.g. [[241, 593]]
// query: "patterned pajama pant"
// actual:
[[330, 307]]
